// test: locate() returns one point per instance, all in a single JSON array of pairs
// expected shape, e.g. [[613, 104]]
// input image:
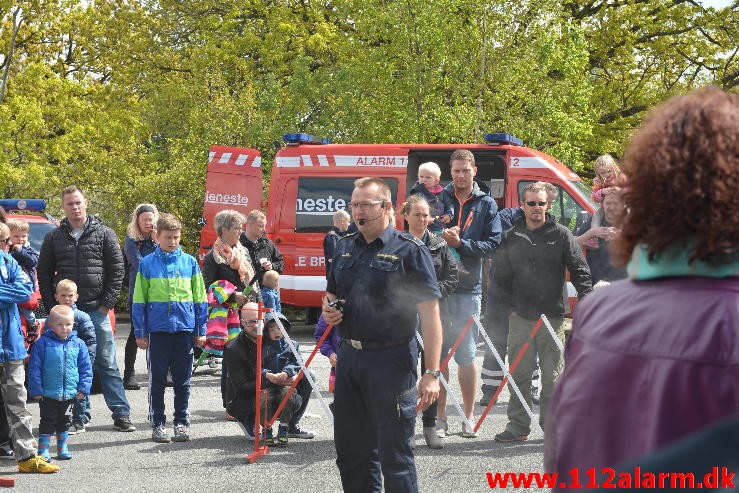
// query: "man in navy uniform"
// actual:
[[385, 279]]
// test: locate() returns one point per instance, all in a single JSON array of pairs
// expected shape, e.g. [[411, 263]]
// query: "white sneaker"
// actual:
[[212, 363], [468, 432], [442, 427]]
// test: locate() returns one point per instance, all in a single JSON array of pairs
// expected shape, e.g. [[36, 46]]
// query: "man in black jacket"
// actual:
[[264, 254], [240, 367], [530, 276], [86, 251]]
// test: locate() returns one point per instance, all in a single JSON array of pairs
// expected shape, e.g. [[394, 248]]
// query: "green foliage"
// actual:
[[124, 97]]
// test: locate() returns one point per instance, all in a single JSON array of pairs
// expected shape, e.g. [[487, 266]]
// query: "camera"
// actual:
[[337, 304]]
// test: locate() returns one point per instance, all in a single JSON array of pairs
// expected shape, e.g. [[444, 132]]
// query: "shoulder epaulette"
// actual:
[[348, 235], [411, 238]]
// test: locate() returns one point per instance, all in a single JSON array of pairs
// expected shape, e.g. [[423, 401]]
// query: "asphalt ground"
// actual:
[[106, 460]]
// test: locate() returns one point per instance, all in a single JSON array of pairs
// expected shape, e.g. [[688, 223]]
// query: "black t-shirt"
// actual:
[[599, 259]]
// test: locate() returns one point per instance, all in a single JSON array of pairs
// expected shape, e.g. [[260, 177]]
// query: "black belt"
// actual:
[[370, 345]]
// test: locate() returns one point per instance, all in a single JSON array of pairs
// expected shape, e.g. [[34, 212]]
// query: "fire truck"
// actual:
[[312, 178]]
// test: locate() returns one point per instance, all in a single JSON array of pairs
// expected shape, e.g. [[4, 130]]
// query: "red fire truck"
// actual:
[[313, 178]]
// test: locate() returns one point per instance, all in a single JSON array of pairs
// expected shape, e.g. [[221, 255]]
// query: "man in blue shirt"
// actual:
[[384, 279]]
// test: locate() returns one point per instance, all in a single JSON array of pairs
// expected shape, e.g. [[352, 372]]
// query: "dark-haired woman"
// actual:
[[654, 358]]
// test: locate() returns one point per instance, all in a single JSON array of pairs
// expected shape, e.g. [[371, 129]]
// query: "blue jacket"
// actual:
[[59, 369], [276, 356], [85, 330], [480, 233], [15, 287], [439, 205], [169, 295], [271, 299], [133, 252], [27, 258]]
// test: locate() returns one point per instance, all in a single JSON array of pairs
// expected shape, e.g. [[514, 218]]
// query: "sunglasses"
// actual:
[[533, 203], [251, 322], [6, 240]]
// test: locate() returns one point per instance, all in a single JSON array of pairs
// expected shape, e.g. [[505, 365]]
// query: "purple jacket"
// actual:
[[648, 362], [331, 343]]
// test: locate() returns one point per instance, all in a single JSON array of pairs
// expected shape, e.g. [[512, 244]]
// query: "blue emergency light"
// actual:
[[297, 139], [23, 204], [502, 139]]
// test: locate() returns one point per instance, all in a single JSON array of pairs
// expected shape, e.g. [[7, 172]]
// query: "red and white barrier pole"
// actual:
[[304, 372], [507, 375], [300, 374], [260, 449], [448, 389]]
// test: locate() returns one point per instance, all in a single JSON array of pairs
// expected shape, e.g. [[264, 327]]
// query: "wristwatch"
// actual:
[[435, 373]]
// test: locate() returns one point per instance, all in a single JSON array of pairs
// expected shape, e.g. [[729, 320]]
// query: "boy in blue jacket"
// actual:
[[66, 294], [59, 371], [170, 312]]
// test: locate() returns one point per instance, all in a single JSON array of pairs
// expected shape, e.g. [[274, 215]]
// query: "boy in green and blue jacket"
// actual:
[[169, 313]]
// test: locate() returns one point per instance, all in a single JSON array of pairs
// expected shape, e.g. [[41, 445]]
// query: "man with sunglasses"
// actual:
[[531, 263]]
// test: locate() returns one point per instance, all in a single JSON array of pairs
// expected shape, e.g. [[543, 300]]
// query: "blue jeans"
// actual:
[[106, 366], [462, 306]]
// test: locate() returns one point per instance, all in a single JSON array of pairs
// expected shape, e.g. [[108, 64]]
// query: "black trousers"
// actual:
[[55, 416]]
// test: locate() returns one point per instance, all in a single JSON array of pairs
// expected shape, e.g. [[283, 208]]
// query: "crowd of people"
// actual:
[[661, 226]]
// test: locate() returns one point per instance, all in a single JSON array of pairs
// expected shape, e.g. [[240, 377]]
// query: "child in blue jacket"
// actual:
[[279, 370], [66, 294], [59, 372], [169, 315]]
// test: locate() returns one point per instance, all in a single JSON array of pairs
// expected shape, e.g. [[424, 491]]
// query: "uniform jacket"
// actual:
[[263, 248], [94, 262], [480, 233], [647, 363], [382, 282], [530, 269], [169, 295], [329, 245], [59, 369], [15, 287]]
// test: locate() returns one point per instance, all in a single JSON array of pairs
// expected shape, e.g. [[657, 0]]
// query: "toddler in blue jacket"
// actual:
[[271, 290], [59, 372]]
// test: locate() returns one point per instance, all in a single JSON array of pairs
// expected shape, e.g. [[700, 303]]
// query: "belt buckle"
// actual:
[[355, 344]]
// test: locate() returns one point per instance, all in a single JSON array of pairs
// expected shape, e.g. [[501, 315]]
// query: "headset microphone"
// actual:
[[362, 222]]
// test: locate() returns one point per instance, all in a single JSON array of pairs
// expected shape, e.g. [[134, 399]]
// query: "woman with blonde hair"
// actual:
[[139, 243]]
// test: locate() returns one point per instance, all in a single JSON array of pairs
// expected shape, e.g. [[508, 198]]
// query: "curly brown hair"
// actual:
[[683, 169]]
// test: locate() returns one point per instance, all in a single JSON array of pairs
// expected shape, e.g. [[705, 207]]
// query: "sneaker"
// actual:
[[432, 439], [507, 436], [248, 432], [181, 434], [298, 432], [282, 436], [160, 434], [75, 428], [36, 464], [212, 363], [230, 418], [123, 424], [467, 431], [442, 427], [535, 395], [6, 451], [270, 440]]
